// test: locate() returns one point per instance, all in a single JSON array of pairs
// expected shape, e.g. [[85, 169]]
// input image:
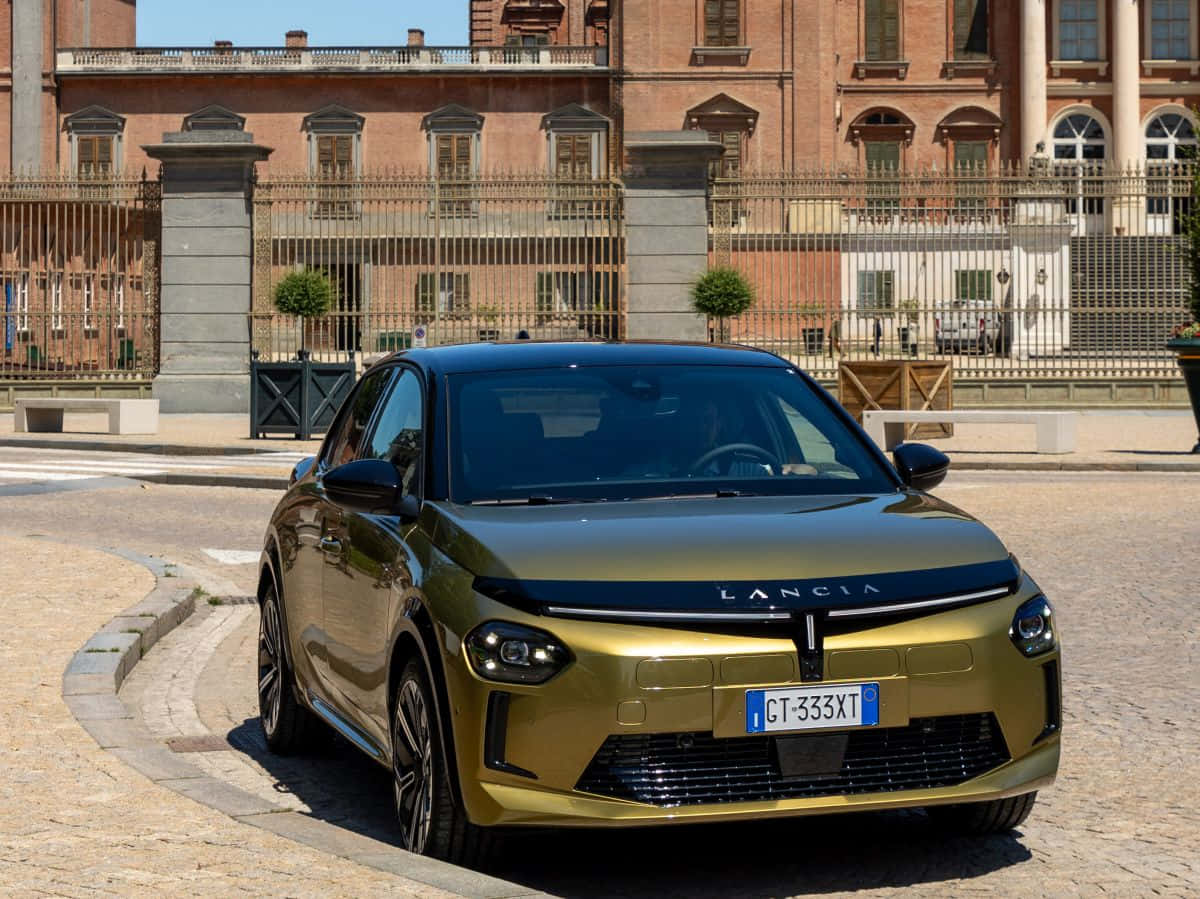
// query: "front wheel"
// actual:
[[432, 821], [984, 818], [287, 725]]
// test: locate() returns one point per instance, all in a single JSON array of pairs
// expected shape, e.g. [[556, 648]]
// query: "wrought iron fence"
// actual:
[[459, 259], [1064, 270], [79, 268]]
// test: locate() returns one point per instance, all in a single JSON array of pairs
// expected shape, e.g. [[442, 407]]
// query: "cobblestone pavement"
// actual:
[[74, 820], [1114, 552]]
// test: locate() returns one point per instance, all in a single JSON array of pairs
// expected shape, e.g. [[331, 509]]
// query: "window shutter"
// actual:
[[722, 26], [887, 282], [883, 155], [891, 29], [423, 300], [462, 294], [970, 29], [873, 26], [87, 152], [544, 292], [971, 155]]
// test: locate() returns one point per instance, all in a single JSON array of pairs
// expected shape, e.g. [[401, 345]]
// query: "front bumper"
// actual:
[[630, 679]]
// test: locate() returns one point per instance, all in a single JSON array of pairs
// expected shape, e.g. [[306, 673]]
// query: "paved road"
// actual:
[[1115, 552], [20, 466]]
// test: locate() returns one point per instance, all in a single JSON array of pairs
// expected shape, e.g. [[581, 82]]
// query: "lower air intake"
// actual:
[[690, 769]]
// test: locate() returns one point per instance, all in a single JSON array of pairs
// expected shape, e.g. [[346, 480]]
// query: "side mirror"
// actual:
[[303, 467], [370, 486], [921, 467]]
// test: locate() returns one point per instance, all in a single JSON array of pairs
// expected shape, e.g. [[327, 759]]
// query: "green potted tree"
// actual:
[[307, 295], [299, 397], [1185, 339], [720, 293]]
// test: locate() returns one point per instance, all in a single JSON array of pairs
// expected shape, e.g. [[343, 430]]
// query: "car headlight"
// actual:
[[1032, 630], [515, 654]]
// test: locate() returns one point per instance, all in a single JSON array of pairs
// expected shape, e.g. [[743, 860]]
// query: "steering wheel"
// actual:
[[775, 465]]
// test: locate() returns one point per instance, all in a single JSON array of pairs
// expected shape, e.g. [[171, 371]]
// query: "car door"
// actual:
[[324, 520], [376, 565]]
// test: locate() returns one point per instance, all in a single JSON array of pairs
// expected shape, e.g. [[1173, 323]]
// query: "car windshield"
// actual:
[[637, 432]]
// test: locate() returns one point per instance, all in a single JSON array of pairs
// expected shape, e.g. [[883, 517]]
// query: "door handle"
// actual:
[[331, 545]]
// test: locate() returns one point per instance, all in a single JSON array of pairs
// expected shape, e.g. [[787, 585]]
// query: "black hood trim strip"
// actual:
[[762, 600]]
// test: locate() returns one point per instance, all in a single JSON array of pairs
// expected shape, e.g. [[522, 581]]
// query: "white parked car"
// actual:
[[970, 325]]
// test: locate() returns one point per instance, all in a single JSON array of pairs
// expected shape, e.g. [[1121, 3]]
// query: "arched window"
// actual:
[[1080, 144], [1079, 137], [1170, 136]]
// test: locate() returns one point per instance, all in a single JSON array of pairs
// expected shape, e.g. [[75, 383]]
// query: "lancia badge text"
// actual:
[[821, 591]]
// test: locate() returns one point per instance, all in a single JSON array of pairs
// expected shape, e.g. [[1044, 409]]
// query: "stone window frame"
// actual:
[[95, 121], [864, 67], [454, 119], [337, 121], [1057, 63], [984, 64], [716, 54], [1150, 63], [575, 119], [214, 118]]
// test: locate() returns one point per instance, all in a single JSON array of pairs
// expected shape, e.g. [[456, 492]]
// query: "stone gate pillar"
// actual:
[[207, 253], [666, 183]]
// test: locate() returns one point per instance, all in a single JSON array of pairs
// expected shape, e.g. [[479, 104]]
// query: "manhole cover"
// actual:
[[206, 743]]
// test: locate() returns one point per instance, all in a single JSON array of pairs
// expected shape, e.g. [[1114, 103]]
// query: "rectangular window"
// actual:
[[21, 301], [56, 301], [89, 302], [1171, 29], [454, 157], [876, 292], [94, 155], [730, 164], [118, 297], [335, 155], [970, 29], [881, 20], [970, 162], [1079, 29], [334, 161], [573, 155], [973, 285], [448, 294], [883, 186], [722, 23]]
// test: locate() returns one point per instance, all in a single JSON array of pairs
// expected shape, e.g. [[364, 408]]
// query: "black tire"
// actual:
[[984, 818], [286, 724], [432, 822]]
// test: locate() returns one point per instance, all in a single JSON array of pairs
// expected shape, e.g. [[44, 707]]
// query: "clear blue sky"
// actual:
[[328, 22]]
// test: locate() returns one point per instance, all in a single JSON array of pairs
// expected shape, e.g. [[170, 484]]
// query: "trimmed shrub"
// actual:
[[307, 294], [722, 292]]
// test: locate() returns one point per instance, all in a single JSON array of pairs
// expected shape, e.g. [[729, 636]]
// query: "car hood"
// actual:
[[744, 552]]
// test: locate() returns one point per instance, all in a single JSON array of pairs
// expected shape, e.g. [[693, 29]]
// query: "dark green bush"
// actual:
[[722, 292], [305, 293]]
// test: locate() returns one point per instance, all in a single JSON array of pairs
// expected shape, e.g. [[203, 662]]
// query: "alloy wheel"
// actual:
[[270, 666], [412, 766]]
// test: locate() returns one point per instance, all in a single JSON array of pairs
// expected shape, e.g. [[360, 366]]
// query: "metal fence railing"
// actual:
[[464, 259], [1062, 270], [79, 273]]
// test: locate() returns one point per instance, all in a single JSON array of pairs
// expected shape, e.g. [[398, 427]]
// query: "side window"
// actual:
[[352, 426], [397, 437]]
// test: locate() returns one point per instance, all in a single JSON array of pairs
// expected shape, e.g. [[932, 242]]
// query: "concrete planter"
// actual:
[[299, 398], [1188, 350]]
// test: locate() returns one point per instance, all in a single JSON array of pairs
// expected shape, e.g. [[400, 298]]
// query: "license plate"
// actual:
[[807, 708]]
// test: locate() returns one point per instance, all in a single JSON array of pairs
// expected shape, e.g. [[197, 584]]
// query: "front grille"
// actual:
[[688, 769]]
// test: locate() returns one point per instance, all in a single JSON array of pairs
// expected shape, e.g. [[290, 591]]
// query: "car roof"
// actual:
[[525, 354]]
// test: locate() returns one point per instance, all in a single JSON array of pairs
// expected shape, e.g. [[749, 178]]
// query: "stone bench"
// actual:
[[1055, 430], [42, 415]]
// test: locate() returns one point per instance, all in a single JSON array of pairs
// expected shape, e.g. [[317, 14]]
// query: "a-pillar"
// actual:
[[666, 185], [207, 249], [1033, 75], [1129, 206]]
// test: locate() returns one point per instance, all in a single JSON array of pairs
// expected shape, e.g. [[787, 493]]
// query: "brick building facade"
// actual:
[[784, 84]]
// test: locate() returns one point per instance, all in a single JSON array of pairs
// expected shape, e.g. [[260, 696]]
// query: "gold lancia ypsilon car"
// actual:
[[623, 584]]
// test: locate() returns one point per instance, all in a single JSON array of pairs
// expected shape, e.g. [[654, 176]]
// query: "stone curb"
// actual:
[[90, 685], [1158, 467]]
